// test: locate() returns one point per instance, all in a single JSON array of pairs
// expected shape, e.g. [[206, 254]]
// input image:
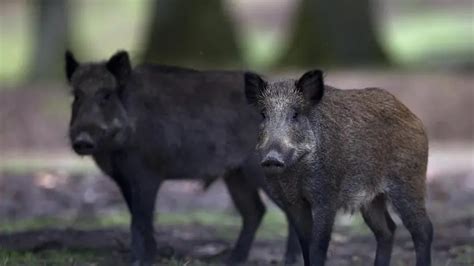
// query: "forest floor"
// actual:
[[51, 219]]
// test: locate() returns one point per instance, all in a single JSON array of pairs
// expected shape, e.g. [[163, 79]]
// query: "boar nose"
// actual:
[[273, 159], [83, 144]]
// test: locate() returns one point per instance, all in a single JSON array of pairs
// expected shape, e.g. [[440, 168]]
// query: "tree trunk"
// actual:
[[51, 39], [191, 33], [334, 33]]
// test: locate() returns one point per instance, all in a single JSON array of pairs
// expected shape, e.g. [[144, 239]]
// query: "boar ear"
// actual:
[[71, 64], [119, 65], [311, 84], [254, 86]]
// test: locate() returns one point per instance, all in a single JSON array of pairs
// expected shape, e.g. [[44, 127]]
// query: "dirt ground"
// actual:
[[46, 191], [450, 206]]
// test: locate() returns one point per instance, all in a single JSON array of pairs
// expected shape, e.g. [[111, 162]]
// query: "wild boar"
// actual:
[[324, 149], [152, 123]]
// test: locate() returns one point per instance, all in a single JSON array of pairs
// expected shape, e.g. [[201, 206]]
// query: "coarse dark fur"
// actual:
[[324, 149], [154, 123]]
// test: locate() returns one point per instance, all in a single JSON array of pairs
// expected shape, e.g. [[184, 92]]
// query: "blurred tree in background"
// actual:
[[336, 33], [197, 33], [201, 34], [51, 38]]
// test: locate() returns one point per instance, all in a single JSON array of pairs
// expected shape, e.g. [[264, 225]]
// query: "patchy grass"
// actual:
[[353, 224], [33, 163], [83, 258], [226, 225], [186, 262], [462, 255], [51, 258]]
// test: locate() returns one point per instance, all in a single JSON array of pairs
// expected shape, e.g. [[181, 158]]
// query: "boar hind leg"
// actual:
[[379, 221], [410, 205], [247, 201]]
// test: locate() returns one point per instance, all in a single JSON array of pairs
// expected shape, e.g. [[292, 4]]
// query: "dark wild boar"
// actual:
[[324, 149], [154, 123]]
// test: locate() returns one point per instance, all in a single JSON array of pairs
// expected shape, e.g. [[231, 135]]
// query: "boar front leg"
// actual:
[[140, 191], [323, 220], [300, 218], [143, 206]]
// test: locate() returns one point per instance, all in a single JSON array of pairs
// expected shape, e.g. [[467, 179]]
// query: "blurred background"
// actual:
[[57, 208]]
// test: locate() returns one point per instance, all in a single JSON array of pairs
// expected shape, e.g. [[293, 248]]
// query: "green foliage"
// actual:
[[16, 34], [449, 36], [255, 49], [98, 33]]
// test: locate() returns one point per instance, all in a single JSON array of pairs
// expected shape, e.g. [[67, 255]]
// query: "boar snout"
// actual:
[[83, 144], [273, 163], [273, 159]]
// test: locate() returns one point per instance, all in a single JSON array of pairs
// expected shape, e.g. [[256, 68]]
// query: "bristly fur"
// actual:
[[351, 149], [155, 123]]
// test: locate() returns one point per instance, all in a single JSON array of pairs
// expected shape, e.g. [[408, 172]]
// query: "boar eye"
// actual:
[[105, 97], [262, 114], [295, 115]]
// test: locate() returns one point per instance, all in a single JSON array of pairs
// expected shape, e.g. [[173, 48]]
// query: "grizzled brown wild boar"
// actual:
[[324, 149], [153, 123]]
